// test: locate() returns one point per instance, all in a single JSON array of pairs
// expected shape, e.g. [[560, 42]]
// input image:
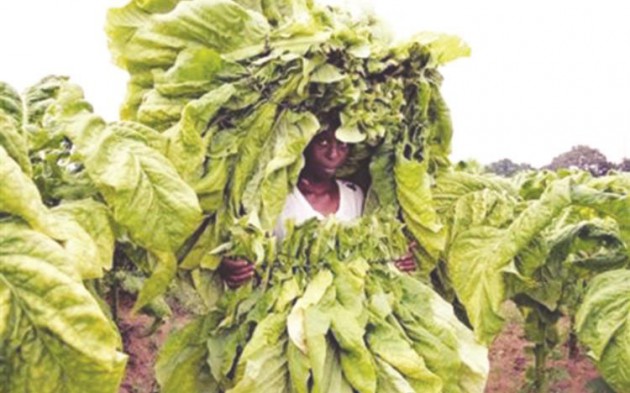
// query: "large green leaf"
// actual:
[[445, 344], [94, 218], [382, 191], [482, 208], [390, 380], [451, 186], [20, 198], [263, 364], [160, 279], [391, 348], [603, 325], [10, 102], [234, 28], [144, 191], [53, 335], [562, 256], [613, 204], [180, 41], [296, 322], [479, 256], [356, 360], [181, 364], [141, 133], [258, 128], [322, 355], [444, 47], [413, 188], [14, 142], [197, 70], [186, 149], [18, 194]]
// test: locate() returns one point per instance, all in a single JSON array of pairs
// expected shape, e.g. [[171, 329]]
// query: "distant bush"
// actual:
[[507, 167], [584, 158], [624, 165]]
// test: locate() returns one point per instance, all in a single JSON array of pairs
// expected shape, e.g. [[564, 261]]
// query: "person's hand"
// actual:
[[236, 271], [406, 263]]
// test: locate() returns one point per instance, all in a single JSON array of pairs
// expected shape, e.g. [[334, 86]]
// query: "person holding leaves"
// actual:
[[318, 194]]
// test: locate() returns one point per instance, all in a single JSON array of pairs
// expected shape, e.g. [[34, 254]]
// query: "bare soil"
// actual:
[[510, 360], [141, 342]]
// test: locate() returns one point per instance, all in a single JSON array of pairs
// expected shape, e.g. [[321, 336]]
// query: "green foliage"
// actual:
[[252, 103], [222, 100], [602, 324], [344, 310], [53, 333], [537, 240]]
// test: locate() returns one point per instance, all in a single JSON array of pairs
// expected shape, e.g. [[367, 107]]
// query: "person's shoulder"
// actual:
[[353, 197], [352, 190], [351, 186]]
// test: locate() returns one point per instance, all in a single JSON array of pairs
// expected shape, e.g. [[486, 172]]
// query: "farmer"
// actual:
[[318, 194]]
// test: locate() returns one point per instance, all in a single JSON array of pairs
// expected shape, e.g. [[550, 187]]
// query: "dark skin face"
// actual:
[[323, 156]]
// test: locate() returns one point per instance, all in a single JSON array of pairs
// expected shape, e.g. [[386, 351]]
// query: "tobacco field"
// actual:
[[103, 223]]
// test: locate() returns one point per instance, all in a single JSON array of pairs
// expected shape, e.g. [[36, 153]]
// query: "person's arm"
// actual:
[[236, 271]]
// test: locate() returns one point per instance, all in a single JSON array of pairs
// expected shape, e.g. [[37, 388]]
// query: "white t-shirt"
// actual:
[[299, 209]]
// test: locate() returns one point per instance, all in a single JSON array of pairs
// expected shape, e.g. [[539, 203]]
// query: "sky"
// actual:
[[543, 75]]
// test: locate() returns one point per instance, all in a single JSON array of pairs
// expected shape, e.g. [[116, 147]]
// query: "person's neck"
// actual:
[[316, 186]]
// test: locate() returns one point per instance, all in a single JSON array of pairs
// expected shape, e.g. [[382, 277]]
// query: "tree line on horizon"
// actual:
[[579, 157]]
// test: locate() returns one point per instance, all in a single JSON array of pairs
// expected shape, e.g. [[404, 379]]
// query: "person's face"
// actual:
[[325, 154]]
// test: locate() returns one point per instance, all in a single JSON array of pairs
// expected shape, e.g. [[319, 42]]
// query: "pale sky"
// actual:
[[543, 75]]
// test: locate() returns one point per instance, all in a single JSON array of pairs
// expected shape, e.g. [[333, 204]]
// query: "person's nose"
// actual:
[[333, 151]]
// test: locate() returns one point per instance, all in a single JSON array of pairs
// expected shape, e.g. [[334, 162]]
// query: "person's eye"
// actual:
[[343, 145], [323, 142]]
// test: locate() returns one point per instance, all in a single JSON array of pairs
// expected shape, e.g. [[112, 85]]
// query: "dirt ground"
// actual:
[[509, 359], [141, 342]]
